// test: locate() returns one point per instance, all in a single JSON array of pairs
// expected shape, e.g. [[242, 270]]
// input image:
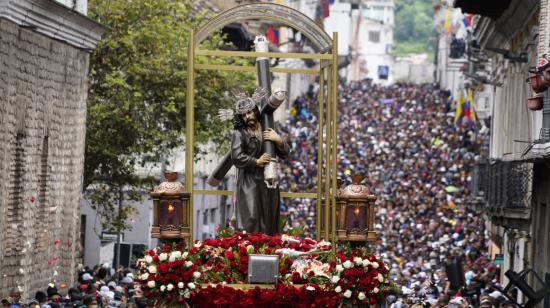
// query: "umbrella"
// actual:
[[451, 189]]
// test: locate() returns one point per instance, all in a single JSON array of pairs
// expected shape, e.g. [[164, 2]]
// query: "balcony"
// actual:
[[502, 190]]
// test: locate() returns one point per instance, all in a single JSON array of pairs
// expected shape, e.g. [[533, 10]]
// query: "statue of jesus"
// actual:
[[257, 205]]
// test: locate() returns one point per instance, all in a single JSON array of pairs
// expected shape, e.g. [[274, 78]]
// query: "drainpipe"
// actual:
[[542, 50], [545, 131]]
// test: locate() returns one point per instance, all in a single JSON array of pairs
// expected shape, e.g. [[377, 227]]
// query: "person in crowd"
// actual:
[[419, 165]]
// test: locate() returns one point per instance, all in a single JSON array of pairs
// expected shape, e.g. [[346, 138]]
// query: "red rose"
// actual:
[[229, 255], [296, 277], [244, 259]]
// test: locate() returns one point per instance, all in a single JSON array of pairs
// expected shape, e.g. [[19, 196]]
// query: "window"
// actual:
[[374, 36], [213, 216]]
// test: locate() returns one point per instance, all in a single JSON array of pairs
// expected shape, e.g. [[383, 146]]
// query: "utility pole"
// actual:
[[120, 196]]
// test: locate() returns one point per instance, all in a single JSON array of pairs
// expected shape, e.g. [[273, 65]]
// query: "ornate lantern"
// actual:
[[355, 208], [170, 209]]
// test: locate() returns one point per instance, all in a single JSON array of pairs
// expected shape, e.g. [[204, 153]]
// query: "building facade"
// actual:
[[512, 185], [44, 51]]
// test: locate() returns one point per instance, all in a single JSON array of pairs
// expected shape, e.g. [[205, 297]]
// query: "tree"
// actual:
[[414, 26], [136, 101]]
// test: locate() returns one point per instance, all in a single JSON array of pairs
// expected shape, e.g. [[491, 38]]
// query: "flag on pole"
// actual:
[[472, 105], [447, 25], [465, 108], [458, 112], [273, 36]]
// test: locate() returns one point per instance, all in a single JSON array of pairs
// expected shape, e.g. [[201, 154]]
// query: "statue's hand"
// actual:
[[263, 160], [272, 135]]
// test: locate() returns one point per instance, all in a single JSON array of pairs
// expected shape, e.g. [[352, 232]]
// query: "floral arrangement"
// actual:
[[310, 273]]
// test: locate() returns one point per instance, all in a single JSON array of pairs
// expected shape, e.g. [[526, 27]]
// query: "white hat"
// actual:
[[127, 280], [104, 289], [87, 276], [457, 300]]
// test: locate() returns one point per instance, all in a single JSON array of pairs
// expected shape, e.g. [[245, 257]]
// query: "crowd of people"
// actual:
[[100, 286], [419, 165], [417, 162]]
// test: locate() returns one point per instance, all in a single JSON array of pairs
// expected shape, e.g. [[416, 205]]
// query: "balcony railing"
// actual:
[[504, 185]]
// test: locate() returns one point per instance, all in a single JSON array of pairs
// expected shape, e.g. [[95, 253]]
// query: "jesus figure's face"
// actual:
[[250, 119]]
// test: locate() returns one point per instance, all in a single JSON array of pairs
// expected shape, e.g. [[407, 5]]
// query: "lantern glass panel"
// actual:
[[356, 218], [171, 213]]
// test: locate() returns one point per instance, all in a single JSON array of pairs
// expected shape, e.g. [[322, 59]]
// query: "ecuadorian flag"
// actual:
[[465, 108]]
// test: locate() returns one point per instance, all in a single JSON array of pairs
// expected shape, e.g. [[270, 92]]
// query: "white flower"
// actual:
[[51, 285], [151, 284], [335, 279], [196, 274], [148, 259], [347, 294], [380, 277], [366, 262], [181, 285], [171, 259], [188, 263], [170, 287], [163, 256], [191, 286], [338, 289], [310, 288], [250, 249], [198, 244], [144, 276], [186, 294], [348, 264], [358, 261], [339, 268], [152, 269], [176, 254], [162, 288], [361, 296], [185, 254], [375, 290], [375, 264]]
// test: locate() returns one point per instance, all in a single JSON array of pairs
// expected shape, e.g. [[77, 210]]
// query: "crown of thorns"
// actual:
[[244, 103]]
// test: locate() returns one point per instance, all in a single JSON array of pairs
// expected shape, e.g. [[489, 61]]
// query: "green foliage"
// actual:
[[136, 101], [224, 232], [297, 231], [414, 27]]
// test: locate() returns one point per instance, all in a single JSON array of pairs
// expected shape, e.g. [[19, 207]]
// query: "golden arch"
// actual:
[[326, 49], [273, 12]]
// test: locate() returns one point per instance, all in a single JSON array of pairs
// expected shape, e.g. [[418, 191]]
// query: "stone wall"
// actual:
[[43, 90]]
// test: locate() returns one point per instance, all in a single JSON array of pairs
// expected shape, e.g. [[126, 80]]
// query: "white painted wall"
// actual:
[[372, 41], [340, 21], [80, 6]]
